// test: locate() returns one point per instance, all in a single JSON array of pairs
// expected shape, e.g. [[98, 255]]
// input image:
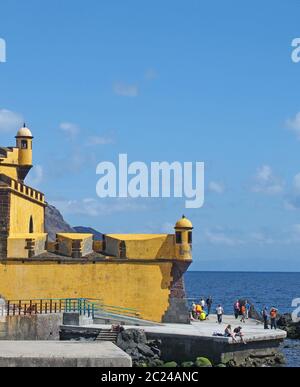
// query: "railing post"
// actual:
[[20, 307], [30, 307], [14, 309], [8, 307], [93, 311], [25, 309], [50, 306], [46, 308], [41, 306]]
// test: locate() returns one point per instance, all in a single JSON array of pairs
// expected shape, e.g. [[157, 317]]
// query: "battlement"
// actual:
[[22, 189]]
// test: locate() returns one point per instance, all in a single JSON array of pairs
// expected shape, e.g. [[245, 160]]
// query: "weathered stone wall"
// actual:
[[35, 327]]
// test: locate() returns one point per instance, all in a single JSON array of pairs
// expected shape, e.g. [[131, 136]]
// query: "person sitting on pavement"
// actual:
[[238, 333], [198, 310], [229, 333], [202, 316]]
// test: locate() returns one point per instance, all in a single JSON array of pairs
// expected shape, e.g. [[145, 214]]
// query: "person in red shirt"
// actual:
[[273, 317]]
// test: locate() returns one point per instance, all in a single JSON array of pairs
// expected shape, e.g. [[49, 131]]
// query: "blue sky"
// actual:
[[172, 80]]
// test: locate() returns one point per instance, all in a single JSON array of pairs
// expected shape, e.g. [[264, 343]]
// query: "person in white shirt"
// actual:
[[202, 303], [220, 312]]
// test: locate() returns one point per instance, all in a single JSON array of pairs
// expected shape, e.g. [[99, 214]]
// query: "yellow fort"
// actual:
[[139, 271]]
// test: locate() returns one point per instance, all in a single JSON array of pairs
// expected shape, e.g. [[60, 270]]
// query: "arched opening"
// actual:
[[31, 225]]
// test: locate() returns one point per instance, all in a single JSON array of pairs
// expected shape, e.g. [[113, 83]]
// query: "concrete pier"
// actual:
[[61, 354], [182, 342]]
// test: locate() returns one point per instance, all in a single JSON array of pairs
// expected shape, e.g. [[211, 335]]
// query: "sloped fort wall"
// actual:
[[145, 286]]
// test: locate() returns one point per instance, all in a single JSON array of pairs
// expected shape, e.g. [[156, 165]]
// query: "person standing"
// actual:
[[243, 313], [220, 312], [248, 306], [236, 309], [273, 317], [209, 303], [265, 317], [202, 303]]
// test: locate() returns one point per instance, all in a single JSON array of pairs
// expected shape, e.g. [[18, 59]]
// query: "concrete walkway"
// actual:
[[253, 330], [62, 354]]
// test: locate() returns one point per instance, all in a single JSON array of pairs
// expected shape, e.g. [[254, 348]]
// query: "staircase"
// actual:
[[107, 335]]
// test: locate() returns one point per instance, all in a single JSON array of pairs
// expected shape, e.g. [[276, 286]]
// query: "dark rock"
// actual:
[[292, 328], [145, 350]]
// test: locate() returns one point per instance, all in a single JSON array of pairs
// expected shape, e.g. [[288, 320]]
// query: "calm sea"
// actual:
[[270, 289]]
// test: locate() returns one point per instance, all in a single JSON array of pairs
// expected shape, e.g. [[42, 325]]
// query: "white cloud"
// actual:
[[220, 237], [126, 90], [10, 121], [71, 130], [95, 207], [216, 187], [261, 238], [99, 140], [294, 124], [36, 176], [266, 182]]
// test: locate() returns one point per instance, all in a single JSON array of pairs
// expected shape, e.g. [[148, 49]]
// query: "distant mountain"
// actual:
[[55, 223], [89, 230]]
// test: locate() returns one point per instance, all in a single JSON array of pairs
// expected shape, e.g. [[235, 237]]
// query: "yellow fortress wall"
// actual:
[[144, 287]]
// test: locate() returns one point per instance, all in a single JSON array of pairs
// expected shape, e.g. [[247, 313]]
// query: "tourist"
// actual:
[[202, 316], [193, 310], [248, 306], [238, 333], [228, 333], [265, 317], [236, 309], [220, 312], [243, 313], [202, 303], [209, 303], [273, 317], [198, 310]]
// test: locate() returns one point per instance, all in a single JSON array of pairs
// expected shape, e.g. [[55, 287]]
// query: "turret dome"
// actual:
[[24, 132], [184, 223]]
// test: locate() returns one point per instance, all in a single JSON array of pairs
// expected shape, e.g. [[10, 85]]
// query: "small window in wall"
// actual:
[[190, 237], [24, 144], [31, 226], [178, 237]]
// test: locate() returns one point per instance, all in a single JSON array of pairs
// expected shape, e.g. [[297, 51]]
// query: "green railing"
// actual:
[[84, 306]]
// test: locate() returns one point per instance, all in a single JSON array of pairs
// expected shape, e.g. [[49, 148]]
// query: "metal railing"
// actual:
[[84, 306]]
